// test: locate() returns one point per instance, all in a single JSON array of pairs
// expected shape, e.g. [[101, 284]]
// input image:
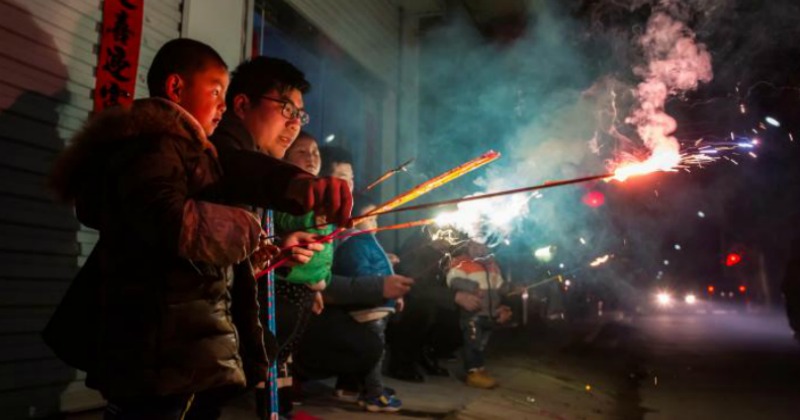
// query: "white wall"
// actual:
[[224, 25]]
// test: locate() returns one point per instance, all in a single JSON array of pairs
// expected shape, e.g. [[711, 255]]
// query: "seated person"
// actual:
[[362, 255], [475, 271]]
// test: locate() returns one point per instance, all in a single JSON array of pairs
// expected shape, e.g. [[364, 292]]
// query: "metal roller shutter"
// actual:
[[47, 63], [368, 30]]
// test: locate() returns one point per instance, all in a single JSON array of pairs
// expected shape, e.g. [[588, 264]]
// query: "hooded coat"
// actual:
[[148, 179]]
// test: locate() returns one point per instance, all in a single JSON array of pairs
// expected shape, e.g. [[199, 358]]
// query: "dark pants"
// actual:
[[155, 408], [476, 329], [422, 325], [336, 345]]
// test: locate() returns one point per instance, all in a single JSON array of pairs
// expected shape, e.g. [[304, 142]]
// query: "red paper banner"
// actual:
[[120, 42]]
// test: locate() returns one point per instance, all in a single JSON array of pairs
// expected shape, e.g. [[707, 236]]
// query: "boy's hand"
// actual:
[[393, 258], [395, 286], [329, 197], [502, 314], [470, 302], [301, 247], [399, 305], [265, 253], [318, 305]]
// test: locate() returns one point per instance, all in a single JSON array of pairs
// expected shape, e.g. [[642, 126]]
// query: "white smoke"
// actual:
[[675, 64]]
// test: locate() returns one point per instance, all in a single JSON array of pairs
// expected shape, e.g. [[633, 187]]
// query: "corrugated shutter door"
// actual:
[[47, 61], [368, 30]]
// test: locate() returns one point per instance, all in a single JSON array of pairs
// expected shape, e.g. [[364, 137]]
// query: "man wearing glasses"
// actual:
[[263, 118]]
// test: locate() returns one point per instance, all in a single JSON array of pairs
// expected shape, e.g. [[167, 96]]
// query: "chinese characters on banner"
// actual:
[[120, 41]]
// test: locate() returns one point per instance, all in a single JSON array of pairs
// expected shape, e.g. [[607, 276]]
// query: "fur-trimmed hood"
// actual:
[[84, 161]]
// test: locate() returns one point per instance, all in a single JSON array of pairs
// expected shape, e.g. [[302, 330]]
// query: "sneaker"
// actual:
[[480, 379], [346, 395], [384, 403]]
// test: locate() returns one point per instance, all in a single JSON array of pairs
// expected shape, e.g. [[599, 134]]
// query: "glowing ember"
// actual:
[[600, 260]]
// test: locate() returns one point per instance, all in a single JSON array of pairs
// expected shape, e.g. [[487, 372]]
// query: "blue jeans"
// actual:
[[476, 329], [373, 381]]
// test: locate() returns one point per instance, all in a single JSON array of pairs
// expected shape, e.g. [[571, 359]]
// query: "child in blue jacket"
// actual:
[[362, 255]]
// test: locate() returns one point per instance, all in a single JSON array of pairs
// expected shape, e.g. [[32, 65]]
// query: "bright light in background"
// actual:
[[561, 265], [733, 259], [690, 299], [545, 254], [583, 241], [330, 138], [772, 121], [701, 214], [664, 298], [666, 262], [594, 199], [711, 289], [742, 289]]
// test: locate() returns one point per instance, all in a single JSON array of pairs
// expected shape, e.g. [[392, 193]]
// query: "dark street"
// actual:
[[718, 366]]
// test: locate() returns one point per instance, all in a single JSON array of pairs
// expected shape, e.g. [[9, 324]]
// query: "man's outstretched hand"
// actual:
[[328, 196]]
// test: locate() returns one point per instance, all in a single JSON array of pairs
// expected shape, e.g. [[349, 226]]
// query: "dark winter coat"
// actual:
[[165, 260]]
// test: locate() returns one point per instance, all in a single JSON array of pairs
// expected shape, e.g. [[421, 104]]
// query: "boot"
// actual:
[[478, 378]]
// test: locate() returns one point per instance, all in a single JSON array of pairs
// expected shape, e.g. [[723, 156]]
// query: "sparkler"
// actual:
[[423, 188], [342, 234], [546, 185], [390, 173], [434, 183]]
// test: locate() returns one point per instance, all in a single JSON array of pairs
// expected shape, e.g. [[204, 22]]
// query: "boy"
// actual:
[[362, 255], [475, 271], [164, 258]]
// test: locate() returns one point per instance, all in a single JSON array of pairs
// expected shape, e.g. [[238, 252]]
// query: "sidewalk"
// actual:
[[545, 373], [542, 375]]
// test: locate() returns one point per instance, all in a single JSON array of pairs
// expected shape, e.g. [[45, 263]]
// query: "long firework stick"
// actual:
[[537, 284], [434, 183], [546, 185], [390, 173], [423, 188], [406, 225], [285, 259], [337, 235]]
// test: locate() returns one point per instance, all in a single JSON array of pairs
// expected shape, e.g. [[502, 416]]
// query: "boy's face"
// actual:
[[369, 222], [304, 154], [345, 172], [264, 119], [203, 95]]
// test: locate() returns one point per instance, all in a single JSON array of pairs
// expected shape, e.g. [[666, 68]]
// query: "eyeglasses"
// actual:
[[290, 111]]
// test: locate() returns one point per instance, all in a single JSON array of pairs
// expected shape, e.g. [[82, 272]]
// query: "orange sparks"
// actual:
[[436, 182], [662, 159]]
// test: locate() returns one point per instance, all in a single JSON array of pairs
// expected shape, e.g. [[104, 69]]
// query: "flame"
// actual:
[[664, 158]]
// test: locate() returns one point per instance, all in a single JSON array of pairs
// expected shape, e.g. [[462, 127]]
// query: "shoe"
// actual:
[[408, 374], [480, 379], [384, 403], [346, 395]]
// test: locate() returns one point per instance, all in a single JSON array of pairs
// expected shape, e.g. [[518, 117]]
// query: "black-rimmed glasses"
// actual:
[[289, 110]]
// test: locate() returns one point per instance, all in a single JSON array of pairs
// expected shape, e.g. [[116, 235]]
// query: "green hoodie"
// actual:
[[319, 268]]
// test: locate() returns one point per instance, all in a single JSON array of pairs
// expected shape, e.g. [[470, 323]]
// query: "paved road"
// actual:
[[717, 366]]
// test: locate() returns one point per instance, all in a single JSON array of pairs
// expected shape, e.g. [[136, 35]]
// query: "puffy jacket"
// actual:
[[164, 262]]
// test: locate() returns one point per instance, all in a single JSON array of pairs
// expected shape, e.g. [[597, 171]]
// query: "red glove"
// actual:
[[329, 197]]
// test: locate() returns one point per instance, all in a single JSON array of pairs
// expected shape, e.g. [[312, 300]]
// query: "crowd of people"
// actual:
[[169, 307]]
